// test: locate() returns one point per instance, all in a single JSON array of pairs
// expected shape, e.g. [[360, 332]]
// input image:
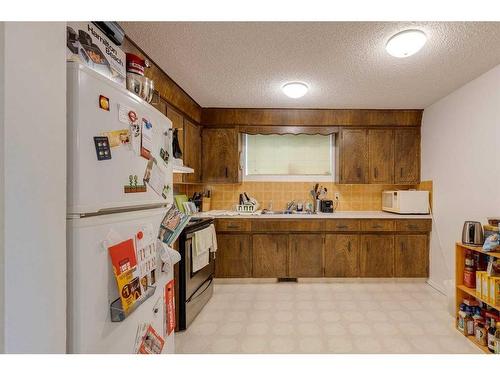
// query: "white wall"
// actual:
[[35, 188], [461, 155]]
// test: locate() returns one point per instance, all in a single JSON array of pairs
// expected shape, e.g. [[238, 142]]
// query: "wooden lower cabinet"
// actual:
[[376, 257], [306, 255], [411, 255], [341, 255], [270, 254], [234, 256]]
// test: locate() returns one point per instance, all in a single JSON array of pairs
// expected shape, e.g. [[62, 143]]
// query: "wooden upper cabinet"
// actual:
[[342, 255], [192, 151], [411, 256], [376, 257], [221, 155], [306, 255], [381, 156], [354, 156], [269, 252], [407, 156]]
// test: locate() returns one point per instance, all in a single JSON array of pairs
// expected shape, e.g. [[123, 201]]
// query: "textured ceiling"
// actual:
[[239, 64]]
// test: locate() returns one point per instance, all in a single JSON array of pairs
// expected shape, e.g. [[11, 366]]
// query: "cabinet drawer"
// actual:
[[279, 225], [417, 225], [232, 225], [377, 225], [347, 225]]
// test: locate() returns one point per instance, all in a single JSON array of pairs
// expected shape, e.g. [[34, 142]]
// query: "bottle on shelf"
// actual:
[[481, 334], [497, 339], [491, 335]]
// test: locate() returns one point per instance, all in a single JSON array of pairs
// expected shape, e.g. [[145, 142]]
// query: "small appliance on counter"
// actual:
[[406, 201], [472, 233], [327, 206]]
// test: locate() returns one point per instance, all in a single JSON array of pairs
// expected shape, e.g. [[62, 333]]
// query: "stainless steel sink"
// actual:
[[267, 212]]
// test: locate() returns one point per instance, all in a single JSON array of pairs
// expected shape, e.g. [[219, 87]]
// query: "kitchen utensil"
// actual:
[[472, 233], [134, 83]]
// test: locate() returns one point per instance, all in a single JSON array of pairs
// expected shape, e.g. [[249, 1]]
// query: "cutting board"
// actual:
[[179, 202]]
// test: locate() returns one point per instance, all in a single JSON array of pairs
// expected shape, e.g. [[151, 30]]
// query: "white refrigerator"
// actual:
[[108, 202]]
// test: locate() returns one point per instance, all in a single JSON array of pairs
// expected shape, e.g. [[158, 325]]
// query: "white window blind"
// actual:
[[289, 155]]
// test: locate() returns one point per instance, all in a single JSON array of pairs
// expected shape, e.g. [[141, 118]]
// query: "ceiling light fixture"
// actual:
[[295, 89], [406, 43]]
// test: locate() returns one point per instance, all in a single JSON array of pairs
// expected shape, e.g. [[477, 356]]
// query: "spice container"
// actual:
[[470, 270]]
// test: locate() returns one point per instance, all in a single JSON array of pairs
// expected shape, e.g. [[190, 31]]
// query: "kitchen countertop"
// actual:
[[336, 215]]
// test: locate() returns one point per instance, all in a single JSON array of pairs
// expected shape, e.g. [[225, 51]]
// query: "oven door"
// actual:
[[195, 280]]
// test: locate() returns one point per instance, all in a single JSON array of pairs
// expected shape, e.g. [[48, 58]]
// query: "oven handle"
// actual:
[[194, 296]]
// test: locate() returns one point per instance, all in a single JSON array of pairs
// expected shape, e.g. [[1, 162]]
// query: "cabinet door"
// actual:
[[407, 156], [412, 256], [221, 158], [233, 257], [354, 156], [192, 151], [342, 255], [376, 255], [269, 252], [381, 156], [306, 255]]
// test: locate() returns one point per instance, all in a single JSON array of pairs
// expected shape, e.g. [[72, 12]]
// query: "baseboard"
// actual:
[[437, 287]]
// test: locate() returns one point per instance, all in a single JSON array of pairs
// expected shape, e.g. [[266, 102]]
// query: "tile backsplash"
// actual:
[[352, 197]]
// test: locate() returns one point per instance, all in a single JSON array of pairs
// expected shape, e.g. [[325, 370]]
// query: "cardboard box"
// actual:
[[494, 291], [485, 285], [479, 282], [88, 45]]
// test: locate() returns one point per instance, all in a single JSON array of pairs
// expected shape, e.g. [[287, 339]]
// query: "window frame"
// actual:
[[289, 177]]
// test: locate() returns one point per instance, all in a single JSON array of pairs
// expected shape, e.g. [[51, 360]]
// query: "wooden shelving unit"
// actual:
[[461, 290]]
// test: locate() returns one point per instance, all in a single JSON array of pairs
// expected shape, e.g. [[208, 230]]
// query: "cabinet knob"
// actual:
[[375, 172], [226, 172], [401, 172], [342, 226]]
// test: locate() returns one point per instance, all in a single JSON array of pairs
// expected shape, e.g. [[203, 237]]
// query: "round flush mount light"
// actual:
[[295, 89], [406, 43]]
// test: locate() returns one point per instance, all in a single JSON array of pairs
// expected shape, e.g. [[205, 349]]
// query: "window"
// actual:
[[291, 157]]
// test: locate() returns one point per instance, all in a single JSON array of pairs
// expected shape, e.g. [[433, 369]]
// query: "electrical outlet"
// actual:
[[336, 195]]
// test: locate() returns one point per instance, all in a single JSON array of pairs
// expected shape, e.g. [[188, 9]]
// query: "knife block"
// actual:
[[205, 204]]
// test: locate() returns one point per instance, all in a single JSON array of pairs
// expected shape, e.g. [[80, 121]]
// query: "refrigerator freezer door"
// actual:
[[96, 185], [92, 287]]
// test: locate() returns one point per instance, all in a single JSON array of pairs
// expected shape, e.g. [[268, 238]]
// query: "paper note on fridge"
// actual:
[[118, 137], [154, 177], [146, 138], [127, 115]]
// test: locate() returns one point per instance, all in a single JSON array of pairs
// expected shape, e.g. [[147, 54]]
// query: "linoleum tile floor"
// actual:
[[347, 317]]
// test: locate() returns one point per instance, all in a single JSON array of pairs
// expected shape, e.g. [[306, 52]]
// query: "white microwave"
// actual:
[[406, 201]]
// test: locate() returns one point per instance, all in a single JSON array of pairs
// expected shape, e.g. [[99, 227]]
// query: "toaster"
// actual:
[[327, 206], [472, 233]]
